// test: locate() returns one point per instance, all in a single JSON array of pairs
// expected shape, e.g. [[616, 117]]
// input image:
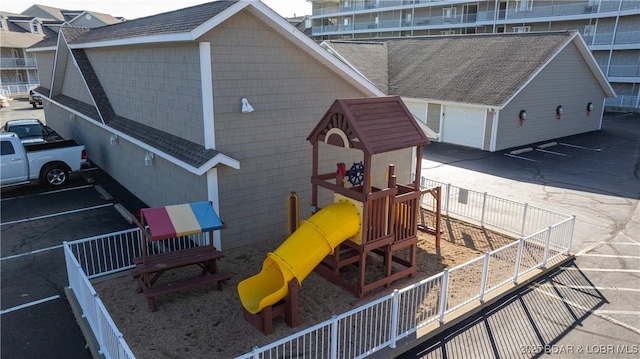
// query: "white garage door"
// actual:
[[463, 126]]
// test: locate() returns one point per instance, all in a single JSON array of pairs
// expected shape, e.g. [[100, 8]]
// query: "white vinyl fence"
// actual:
[[544, 236]]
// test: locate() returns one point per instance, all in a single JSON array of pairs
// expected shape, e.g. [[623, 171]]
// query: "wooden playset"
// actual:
[[363, 221], [389, 215]]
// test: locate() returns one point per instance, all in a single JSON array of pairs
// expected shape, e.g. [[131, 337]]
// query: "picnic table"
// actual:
[[161, 223]]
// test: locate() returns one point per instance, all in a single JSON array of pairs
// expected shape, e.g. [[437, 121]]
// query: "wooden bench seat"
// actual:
[[155, 265], [175, 259], [185, 284]]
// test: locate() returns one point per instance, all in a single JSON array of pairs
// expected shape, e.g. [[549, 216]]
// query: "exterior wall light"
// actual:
[[589, 108], [522, 116], [246, 107], [559, 112], [148, 159], [113, 139], [72, 116]]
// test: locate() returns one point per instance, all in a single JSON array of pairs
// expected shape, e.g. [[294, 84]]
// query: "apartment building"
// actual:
[[18, 67], [609, 27]]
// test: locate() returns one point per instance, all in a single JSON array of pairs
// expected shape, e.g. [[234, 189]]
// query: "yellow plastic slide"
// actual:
[[299, 255]]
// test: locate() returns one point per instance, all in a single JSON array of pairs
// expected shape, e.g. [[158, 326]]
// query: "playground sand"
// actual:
[[207, 323]]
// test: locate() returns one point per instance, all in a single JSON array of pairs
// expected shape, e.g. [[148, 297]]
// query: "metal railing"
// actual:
[[420, 9], [17, 89], [623, 101], [544, 236], [110, 340], [534, 11], [17, 62], [381, 323]]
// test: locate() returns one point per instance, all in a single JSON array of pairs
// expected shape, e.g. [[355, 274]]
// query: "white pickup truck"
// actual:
[[51, 162]]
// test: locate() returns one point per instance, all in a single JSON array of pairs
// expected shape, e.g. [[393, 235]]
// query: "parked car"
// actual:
[[50, 162], [31, 130], [35, 99], [4, 101]]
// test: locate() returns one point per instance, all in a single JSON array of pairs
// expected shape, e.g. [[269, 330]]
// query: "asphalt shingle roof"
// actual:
[[373, 124], [477, 69], [178, 21], [177, 147], [369, 58]]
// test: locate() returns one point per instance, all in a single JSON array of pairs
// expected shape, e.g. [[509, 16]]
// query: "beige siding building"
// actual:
[[470, 90], [159, 109], [609, 27], [18, 67]]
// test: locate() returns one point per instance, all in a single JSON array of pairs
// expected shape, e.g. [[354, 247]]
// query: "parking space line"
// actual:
[[57, 214], [587, 287], [624, 244], [30, 253], [581, 147], [553, 152], [519, 157], [623, 312], [602, 270], [50, 192], [27, 305], [609, 256], [597, 313]]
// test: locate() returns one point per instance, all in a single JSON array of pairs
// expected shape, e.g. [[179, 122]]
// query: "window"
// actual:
[[449, 12], [345, 21], [6, 148], [522, 29], [345, 4], [1, 23], [34, 27], [524, 5], [407, 18]]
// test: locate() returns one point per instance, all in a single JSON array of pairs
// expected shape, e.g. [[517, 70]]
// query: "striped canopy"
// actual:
[[181, 220]]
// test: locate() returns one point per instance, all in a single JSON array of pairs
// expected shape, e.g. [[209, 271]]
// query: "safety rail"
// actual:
[[110, 340], [374, 325], [520, 219]]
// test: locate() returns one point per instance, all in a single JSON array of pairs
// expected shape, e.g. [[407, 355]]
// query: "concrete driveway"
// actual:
[[589, 307]]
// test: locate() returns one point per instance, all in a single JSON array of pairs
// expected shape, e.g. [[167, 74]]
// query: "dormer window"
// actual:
[[34, 27]]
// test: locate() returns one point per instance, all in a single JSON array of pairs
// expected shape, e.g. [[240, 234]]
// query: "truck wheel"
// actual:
[[54, 175]]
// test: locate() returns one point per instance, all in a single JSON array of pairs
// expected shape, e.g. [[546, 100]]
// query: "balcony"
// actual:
[[12, 63], [607, 38], [537, 13]]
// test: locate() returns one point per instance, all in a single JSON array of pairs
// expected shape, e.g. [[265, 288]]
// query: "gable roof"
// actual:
[[190, 23], [104, 18], [53, 11], [372, 124], [180, 25], [480, 69]]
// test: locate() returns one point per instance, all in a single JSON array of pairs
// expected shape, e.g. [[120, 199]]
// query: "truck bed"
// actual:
[[50, 145]]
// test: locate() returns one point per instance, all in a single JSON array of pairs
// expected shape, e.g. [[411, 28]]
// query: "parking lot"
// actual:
[[589, 307], [36, 319]]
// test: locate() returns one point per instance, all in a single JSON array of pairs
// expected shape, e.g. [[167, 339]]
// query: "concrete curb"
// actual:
[[85, 328], [469, 310]]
